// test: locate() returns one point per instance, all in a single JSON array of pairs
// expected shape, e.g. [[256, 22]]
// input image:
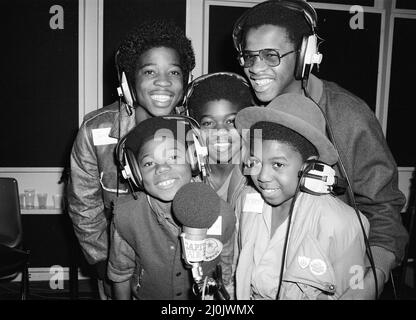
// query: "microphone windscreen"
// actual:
[[196, 205]]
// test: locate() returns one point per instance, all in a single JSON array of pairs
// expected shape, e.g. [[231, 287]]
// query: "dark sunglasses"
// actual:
[[271, 57]]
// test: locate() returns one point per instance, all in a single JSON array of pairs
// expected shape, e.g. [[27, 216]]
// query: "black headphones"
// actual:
[[318, 178], [191, 86], [196, 154], [308, 54]]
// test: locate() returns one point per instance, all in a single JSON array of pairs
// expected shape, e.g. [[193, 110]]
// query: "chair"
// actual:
[[13, 257]]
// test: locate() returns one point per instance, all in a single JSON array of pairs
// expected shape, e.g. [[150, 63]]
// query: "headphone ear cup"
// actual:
[[308, 56], [317, 178], [127, 91], [240, 60], [192, 159], [131, 162], [300, 62]]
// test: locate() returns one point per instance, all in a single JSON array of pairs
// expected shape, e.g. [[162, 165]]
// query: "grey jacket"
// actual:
[[94, 183], [370, 167]]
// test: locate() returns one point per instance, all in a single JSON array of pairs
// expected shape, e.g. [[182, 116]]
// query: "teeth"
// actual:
[[222, 147], [270, 190], [224, 144], [263, 82], [166, 183], [161, 97]]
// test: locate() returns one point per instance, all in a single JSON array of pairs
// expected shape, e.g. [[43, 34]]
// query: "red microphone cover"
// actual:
[[196, 205]]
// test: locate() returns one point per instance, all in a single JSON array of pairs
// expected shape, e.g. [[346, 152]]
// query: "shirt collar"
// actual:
[[315, 87], [123, 122]]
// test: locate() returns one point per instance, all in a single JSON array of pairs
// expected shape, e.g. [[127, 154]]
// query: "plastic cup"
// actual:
[[30, 198], [22, 200], [57, 201], [42, 199]]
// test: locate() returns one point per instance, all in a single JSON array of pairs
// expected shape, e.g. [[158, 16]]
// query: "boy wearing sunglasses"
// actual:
[[277, 48]]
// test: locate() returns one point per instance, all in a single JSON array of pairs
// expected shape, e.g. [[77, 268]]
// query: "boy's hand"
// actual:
[[366, 288]]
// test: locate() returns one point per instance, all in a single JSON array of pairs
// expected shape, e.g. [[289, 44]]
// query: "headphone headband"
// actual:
[[296, 5], [195, 82]]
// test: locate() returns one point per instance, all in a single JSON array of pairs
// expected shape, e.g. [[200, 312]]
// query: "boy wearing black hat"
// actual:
[[145, 234], [294, 245]]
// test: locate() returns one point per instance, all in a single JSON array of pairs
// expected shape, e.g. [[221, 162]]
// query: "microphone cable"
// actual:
[[349, 189], [119, 138], [285, 245], [204, 286]]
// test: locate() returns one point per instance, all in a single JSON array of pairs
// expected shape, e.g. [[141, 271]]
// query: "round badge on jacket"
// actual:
[[317, 267], [213, 248]]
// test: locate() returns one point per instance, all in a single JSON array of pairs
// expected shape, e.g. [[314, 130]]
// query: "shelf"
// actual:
[[48, 210]]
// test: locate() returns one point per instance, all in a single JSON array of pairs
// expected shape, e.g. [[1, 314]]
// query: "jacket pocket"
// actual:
[[308, 265]]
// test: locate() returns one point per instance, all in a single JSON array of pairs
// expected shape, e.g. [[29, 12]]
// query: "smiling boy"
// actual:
[[145, 242], [214, 101], [270, 38], [156, 58], [325, 239]]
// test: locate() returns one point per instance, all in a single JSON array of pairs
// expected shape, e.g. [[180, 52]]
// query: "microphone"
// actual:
[[196, 205]]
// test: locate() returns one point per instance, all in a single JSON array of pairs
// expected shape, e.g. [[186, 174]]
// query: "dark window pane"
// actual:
[[350, 57], [222, 55], [39, 83], [402, 115], [406, 4]]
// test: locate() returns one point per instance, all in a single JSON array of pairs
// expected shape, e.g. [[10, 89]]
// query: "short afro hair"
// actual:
[[277, 132], [150, 34], [275, 14], [226, 86]]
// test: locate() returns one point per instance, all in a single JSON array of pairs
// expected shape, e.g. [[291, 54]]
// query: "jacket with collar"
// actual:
[[325, 250], [235, 188], [237, 183], [371, 169], [146, 244], [94, 183]]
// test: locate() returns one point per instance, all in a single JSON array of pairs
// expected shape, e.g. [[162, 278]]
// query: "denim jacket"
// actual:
[[146, 246], [94, 184]]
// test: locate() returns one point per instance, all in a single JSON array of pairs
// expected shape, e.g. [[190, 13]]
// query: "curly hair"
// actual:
[[151, 34], [275, 14], [216, 87]]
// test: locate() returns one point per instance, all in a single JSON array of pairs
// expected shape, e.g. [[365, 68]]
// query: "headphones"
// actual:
[[308, 54], [315, 177], [128, 92], [318, 178], [191, 86], [196, 154]]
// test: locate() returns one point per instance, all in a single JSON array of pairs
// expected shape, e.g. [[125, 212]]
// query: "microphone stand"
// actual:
[[209, 285]]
